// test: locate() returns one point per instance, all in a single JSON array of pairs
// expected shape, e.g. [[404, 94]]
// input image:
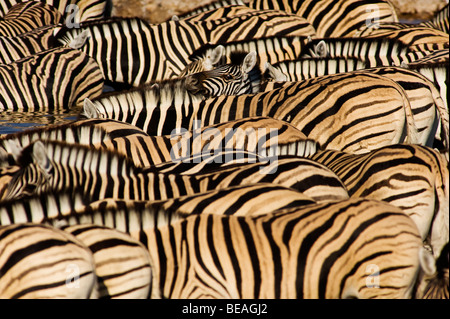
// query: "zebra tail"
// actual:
[[412, 133]]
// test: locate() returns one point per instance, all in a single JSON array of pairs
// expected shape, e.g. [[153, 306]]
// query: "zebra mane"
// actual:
[[64, 153], [163, 93], [428, 65], [83, 132], [310, 46]]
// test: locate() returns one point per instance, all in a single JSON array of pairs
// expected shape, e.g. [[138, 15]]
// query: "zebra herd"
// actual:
[[246, 149]]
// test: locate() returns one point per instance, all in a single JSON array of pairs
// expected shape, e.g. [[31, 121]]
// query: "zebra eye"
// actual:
[[228, 77]]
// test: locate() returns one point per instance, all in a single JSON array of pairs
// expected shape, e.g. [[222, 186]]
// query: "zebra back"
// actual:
[[301, 174], [260, 135], [122, 264], [333, 18], [71, 207], [374, 51], [50, 80], [49, 262], [15, 48], [302, 106], [306, 68], [416, 39], [428, 108], [414, 178], [242, 76], [308, 257], [27, 16], [215, 10], [73, 10]]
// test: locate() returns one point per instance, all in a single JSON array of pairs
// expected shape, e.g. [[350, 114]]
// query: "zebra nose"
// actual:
[[195, 85]]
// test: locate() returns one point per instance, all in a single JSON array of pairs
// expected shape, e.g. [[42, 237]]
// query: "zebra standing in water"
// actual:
[[40, 261]]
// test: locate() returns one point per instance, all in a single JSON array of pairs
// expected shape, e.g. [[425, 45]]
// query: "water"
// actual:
[[11, 121]]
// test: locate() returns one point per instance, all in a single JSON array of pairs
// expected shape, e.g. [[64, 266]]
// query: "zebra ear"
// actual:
[[217, 54], [214, 57], [274, 74], [79, 40], [249, 62], [40, 157], [427, 262], [90, 110], [321, 49], [14, 148]]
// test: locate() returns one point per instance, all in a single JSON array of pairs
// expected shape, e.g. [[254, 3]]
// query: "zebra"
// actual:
[[73, 207], [241, 76], [438, 22], [436, 73], [132, 51], [376, 51], [306, 68], [269, 49], [263, 136], [73, 11], [101, 174], [40, 261], [27, 16], [15, 48], [333, 18], [301, 174], [54, 79], [316, 117], [318, 251], [416, 39], [413, 177], [122, 264], [428, 108], [297, 226], [437, 56]]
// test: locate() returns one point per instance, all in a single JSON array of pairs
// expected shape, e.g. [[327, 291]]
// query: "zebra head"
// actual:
[[214, 57], [34, 172], [241, 76]]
